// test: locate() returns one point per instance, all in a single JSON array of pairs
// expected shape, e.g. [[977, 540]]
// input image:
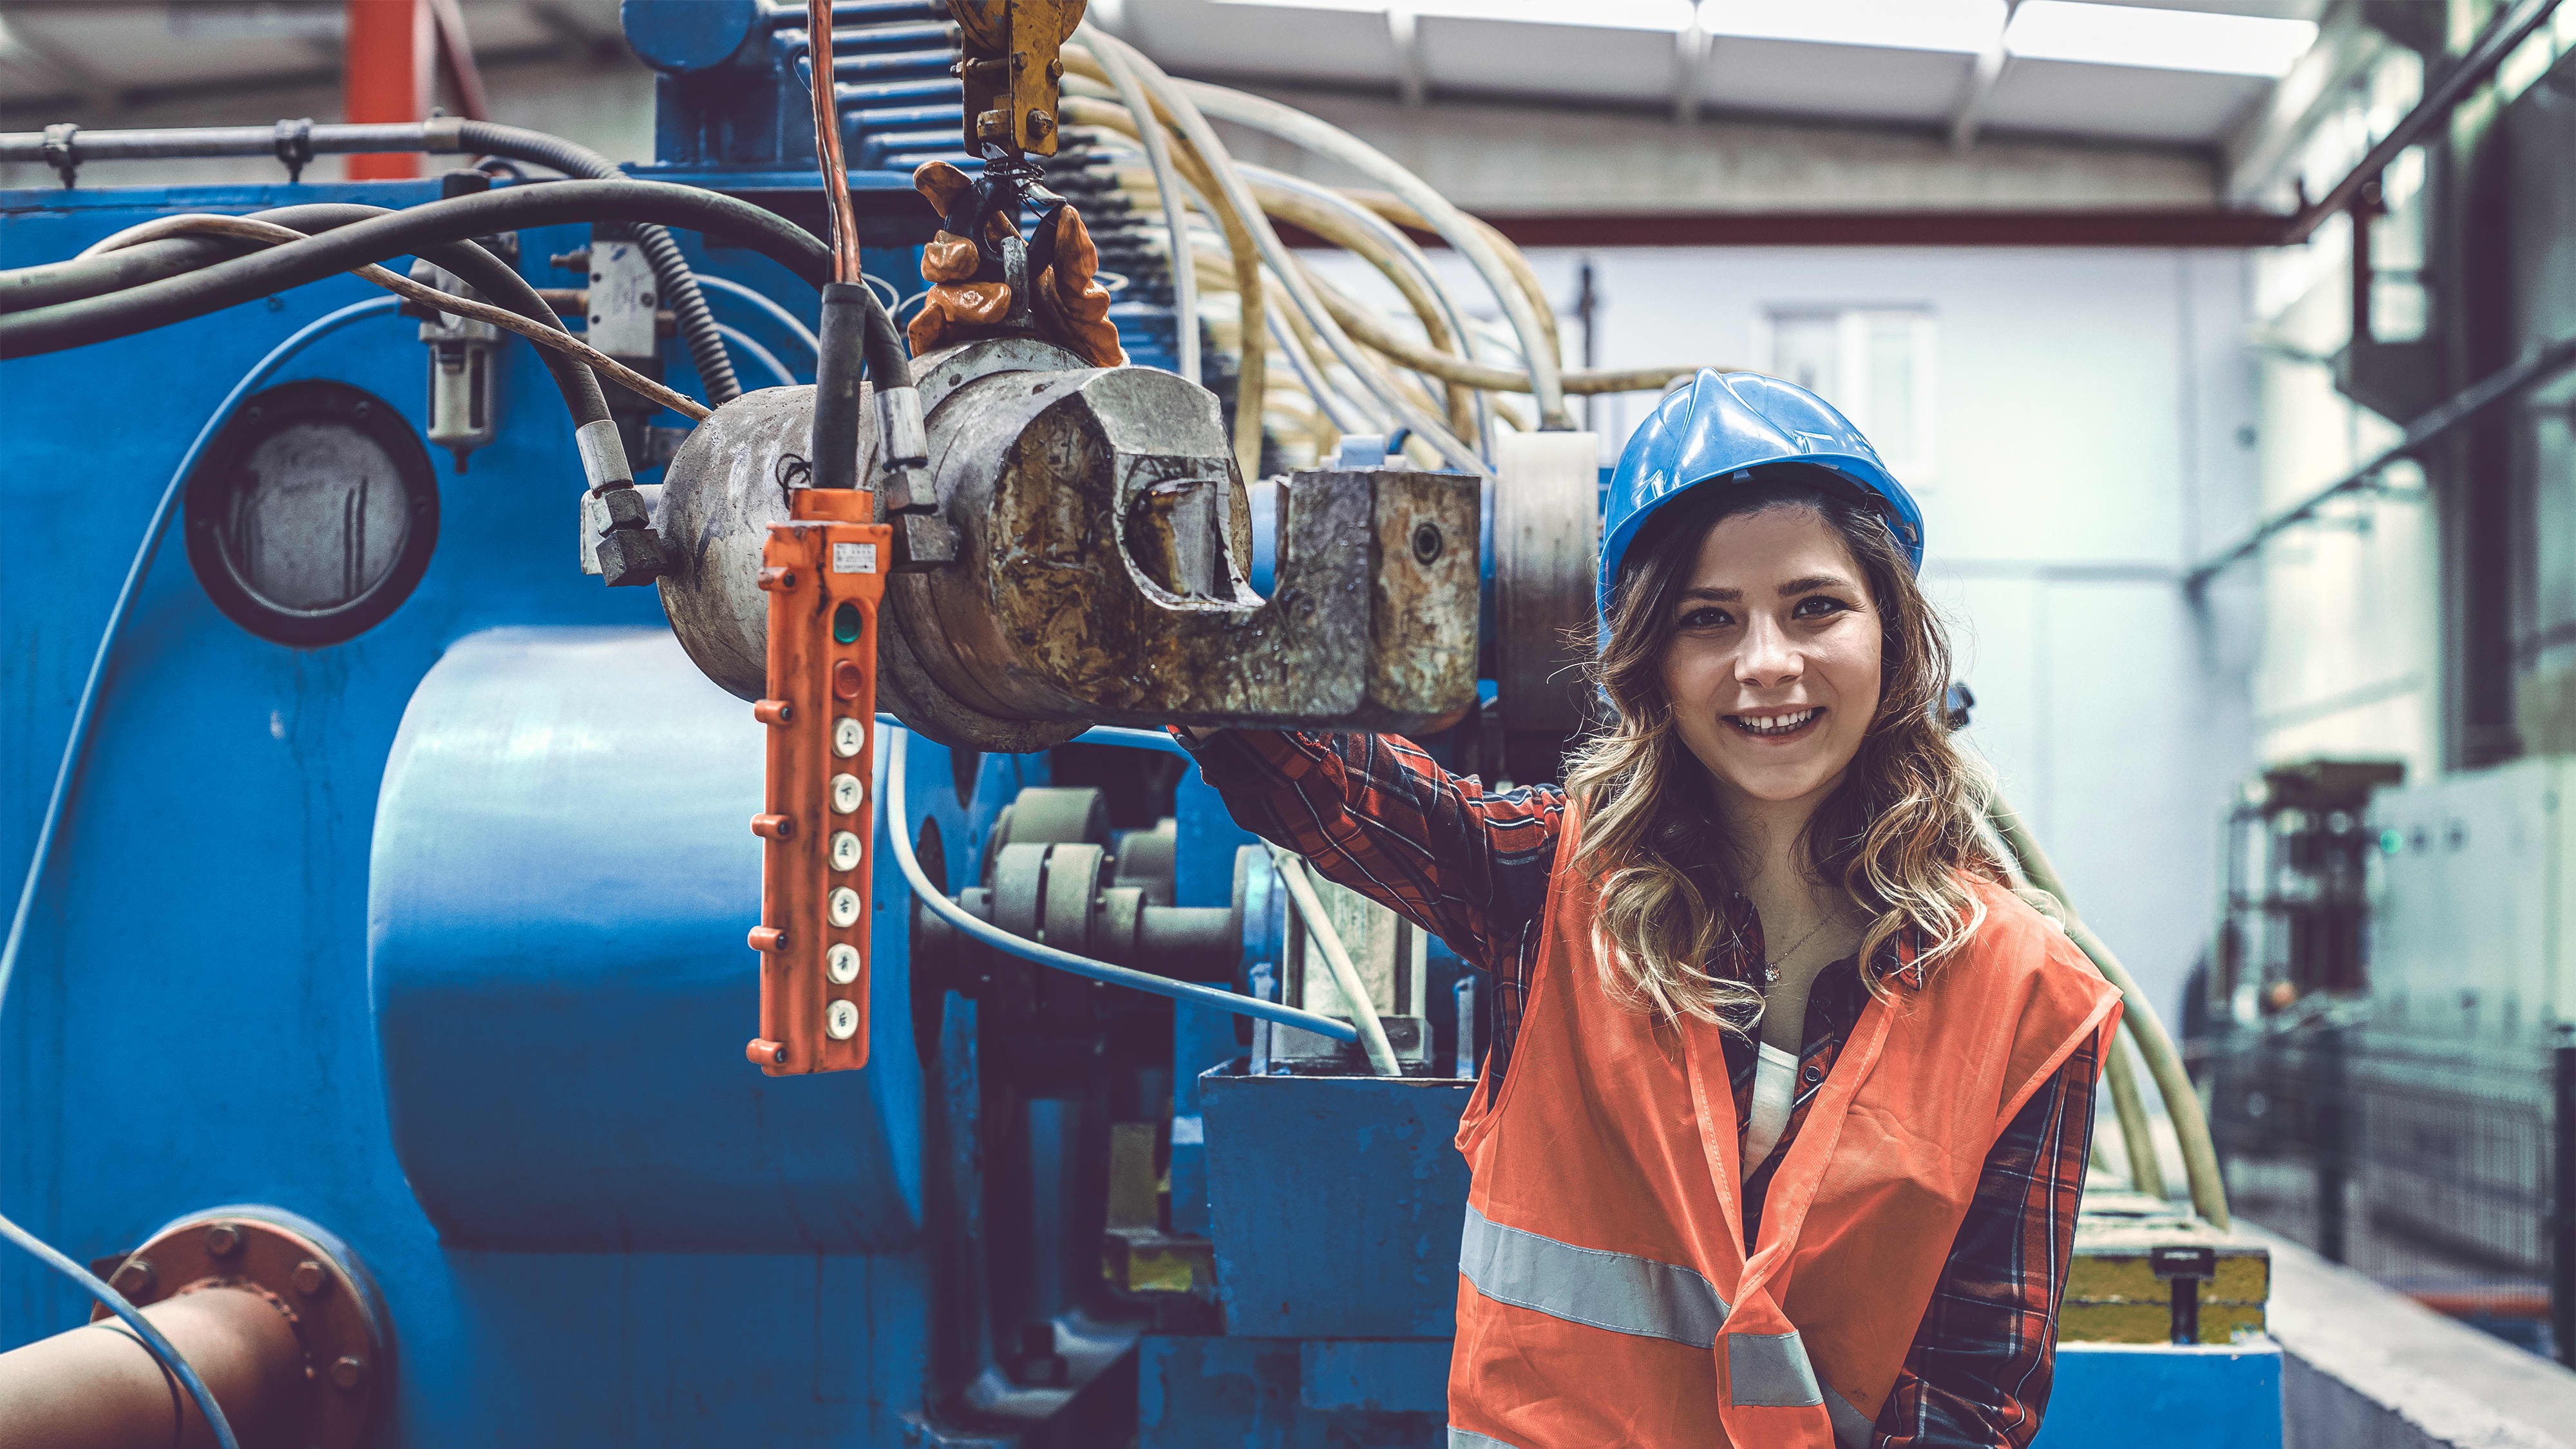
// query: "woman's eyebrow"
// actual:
[[1813, 582], [1723, 596]]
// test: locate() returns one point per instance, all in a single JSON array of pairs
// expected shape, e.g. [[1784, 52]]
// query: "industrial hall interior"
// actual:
[[1288, 724]]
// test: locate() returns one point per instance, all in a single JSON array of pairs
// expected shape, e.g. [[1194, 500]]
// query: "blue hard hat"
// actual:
[[1724, 424]]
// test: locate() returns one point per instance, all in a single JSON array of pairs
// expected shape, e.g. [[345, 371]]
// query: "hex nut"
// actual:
[[349, 1371], [134, 1277], [223, 1239], [311, 1279]]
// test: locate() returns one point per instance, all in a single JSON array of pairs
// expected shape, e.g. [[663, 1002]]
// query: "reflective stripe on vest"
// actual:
[[1770, 1371], [1470, 1439], [1615, 1291], [1852, 1428]]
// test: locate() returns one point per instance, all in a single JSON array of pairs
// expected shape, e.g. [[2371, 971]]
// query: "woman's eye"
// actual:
[[1817, 606], [1706, 619]]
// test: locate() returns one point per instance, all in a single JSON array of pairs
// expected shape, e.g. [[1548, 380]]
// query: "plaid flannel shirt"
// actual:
[[1376, 814]]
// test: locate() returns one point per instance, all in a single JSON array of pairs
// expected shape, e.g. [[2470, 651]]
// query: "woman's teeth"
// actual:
[[1778, 724]]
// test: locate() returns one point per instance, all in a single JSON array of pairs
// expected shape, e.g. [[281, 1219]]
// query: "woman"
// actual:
[[1784, 1121]]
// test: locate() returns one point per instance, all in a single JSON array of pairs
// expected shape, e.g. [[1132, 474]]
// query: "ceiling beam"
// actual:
[[2163, 227], [89, 89]]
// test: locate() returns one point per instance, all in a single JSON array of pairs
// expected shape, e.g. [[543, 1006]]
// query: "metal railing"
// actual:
[[2450, 1177]]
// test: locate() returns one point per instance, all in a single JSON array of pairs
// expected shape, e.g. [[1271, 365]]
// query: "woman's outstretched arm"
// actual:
[[1982, 1364], [1376, 814]]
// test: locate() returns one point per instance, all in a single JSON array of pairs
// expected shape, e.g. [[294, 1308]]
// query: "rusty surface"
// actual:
[[823, 558], [1056, 613], [1103, 538], [273, 1308], [1012, 69], [96, 1387]]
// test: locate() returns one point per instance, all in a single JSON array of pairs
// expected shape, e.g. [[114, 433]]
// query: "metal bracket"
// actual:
[[59, 153], [2184, 1269], [295, 147]]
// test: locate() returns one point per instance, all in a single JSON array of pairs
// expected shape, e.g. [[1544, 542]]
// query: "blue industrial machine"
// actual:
[[391, 945]]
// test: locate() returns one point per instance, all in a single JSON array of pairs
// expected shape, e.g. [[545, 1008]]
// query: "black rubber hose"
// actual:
[[73, 278], [836, 384], [478, 268], [679, 284], [405, 233]]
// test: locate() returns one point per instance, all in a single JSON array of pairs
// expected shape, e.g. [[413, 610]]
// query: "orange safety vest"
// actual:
[[1604, 1296]]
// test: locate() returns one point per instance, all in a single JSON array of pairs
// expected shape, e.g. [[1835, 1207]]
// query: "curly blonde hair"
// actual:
[[1900, 833]]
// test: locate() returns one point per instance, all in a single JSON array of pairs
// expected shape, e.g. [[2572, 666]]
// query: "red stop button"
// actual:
[[845, 679]]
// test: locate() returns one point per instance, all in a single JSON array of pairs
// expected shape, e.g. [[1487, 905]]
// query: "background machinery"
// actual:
[[378, 999]]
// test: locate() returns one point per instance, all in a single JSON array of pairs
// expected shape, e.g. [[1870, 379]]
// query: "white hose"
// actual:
[[1402, 246], [1331, 141], [1292, 872], [899, 834], [1158, 154], [769, 305], [762, 355], [1337, 405], [1431, 429]]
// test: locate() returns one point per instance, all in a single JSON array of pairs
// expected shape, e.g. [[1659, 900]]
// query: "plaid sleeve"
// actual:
[[1979, 1373], [1376, 814]]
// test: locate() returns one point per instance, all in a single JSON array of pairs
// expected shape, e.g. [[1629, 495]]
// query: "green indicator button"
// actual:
[[846, 623]]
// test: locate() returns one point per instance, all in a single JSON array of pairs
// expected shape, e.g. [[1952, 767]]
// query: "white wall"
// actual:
[[2093, 437]]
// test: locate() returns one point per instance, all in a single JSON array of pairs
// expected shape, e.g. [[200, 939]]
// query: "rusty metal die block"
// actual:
[[1071, 493]]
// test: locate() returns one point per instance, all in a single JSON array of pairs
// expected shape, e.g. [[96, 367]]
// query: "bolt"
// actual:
[[310, 1279], [349, 1371], [224, 1239], [1426, 542], [1040, 123], [133, 1278]]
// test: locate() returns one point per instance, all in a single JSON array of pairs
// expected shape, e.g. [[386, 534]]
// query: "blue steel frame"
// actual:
[[191, 1022]]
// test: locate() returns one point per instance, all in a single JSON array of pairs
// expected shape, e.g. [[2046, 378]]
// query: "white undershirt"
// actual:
[[1775, 1088]]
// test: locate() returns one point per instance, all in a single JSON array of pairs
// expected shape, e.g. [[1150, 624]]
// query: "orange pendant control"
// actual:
[[824, 571]]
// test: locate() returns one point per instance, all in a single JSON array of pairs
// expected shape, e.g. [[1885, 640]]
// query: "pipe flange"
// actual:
[[321, 1288]]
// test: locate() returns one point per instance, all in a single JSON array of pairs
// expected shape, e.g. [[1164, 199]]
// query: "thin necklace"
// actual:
[[1771, 968]]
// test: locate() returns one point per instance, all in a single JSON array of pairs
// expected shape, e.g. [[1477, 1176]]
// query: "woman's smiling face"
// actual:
[[1771, 655]]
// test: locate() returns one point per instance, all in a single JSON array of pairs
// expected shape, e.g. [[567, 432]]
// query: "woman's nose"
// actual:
[[1766, 660]]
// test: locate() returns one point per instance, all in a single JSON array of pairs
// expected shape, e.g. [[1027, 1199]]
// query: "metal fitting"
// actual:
[[902, 440]]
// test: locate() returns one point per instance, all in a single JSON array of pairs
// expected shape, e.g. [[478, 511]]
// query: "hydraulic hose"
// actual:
[[1460, 231], [899, 832], [670, 269], [405, 232], [444, 135], [1175, 98], [2182, 1101], [1158, 155], [63, 283], [547, 331]]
